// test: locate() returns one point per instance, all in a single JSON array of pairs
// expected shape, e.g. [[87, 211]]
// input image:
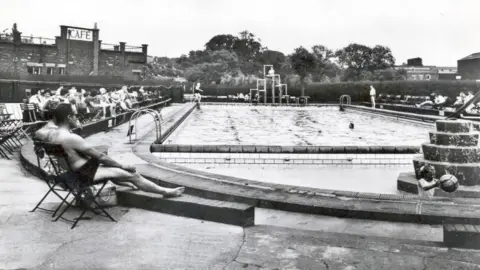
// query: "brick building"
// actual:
[[76, 52], [469, 67], [416, 71]]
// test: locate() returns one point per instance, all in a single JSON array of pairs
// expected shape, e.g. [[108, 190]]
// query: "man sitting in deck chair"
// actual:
[[84, 158]]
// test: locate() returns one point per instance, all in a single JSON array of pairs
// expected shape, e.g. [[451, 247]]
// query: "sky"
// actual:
[[439, 31]]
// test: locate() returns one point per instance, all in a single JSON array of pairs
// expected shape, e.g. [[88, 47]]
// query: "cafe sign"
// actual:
[[79, 34]]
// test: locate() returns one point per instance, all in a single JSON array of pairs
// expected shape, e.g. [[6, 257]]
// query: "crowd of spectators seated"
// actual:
[[435, 101], [96, 104]]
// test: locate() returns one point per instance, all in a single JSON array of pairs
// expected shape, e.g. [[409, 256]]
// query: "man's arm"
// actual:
[[79, 144]]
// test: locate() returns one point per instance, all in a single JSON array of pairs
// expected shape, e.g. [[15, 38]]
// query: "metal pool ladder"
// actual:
[[346, 98], [157, 117]]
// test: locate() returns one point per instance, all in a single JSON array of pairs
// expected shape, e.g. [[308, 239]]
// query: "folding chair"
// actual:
[[61, 175], [54, 186], [10, 133], [15, 127], [30, 109]]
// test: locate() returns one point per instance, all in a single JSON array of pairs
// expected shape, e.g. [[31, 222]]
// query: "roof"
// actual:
[[471, 56], [447, 70]]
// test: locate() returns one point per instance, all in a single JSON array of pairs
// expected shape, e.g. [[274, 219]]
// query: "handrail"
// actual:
[[157, 117], [346, 98]]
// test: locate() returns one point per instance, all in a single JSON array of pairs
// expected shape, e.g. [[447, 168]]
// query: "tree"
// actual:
[[382, 58], [248, 46], [322, 52], [355, 56], [326, 68], [303, 63], [221, 42], [359, 58]]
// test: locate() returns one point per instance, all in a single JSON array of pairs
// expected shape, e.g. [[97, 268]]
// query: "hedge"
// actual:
[[358, 91]]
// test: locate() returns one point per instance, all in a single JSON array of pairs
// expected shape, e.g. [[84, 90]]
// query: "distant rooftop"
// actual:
[[472, 56]]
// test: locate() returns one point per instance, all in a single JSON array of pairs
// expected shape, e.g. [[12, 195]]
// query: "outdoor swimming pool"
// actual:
[[262, 125], [242, 125]]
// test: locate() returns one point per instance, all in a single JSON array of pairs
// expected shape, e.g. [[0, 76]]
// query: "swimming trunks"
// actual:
[[82, 176]]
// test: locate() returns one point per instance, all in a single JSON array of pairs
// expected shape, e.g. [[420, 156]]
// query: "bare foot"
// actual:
[[174, 192]]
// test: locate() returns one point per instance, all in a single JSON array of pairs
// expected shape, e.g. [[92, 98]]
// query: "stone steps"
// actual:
[[232, 213], [454, 126], [461, 236], [451, 153], [458, 139], [465, 173], [407, 182]]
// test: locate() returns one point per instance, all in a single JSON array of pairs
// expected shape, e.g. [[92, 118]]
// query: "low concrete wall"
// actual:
[[397, 114], [408, 109], [167, 132]]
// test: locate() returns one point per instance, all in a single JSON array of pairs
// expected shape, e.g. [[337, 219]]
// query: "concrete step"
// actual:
[[232, 213], [468, 174], [461, 236], [454, 126], [458, 139], [451, 153], [407, 182]]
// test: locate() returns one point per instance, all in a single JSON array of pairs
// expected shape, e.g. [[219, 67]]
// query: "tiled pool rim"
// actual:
[[281, 149], [406, 208]]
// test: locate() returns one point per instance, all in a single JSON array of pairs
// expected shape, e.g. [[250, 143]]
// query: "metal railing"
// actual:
[[37, 40], [6, 37], [116, 47], [157, 118], [110, 47], [133, 49], [348, 100], [28, 39]]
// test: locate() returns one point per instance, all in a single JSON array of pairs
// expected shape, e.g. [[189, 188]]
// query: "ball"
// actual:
[[448, 183]]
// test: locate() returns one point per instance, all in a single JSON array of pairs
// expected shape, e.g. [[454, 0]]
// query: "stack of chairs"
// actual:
[[11, 132]]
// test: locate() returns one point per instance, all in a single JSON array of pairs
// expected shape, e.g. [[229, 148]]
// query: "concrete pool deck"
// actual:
[[149, 240]]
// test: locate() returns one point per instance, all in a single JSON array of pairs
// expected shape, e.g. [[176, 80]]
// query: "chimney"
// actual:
[[144, 49], [122, 46]]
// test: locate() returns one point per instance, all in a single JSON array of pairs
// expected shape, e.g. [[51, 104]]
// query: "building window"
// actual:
[[61, 71], [50, 70], [34, 70]]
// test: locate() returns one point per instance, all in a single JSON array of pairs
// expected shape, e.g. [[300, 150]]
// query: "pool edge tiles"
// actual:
[[288, 159], [310, 149]]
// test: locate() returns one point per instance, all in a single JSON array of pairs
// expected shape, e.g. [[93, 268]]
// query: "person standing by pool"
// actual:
[[373, 94], [198, 96]]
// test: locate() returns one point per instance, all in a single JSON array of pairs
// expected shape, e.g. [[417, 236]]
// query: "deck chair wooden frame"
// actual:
[[60, 176]]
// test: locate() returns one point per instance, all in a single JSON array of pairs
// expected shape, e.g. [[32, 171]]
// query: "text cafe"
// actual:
[[80, 34]]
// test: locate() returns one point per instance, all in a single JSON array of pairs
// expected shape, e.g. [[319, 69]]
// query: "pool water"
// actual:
[[355, 178], [261, 125]]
